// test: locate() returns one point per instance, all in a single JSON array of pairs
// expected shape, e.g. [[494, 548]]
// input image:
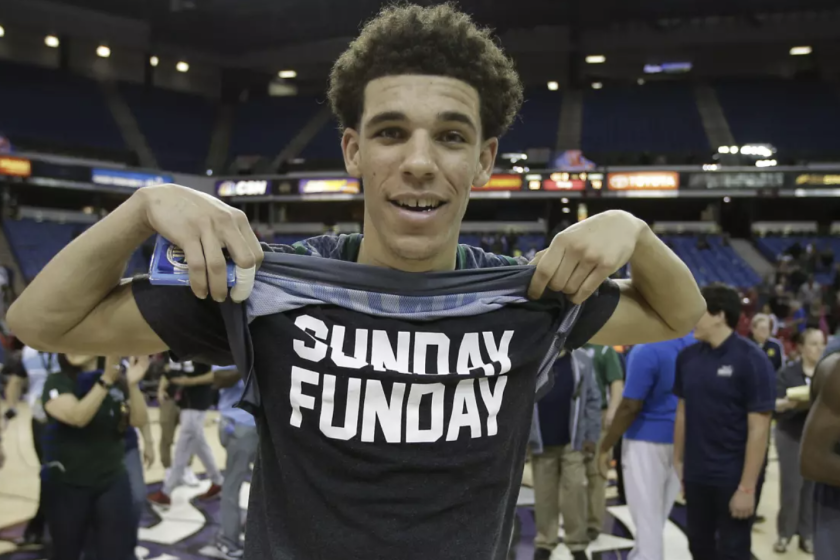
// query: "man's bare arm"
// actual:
[[616, 396], [757, 439], [626, 414], [679, 438], [660, 302], [225, 378], [77, 303], [819, 459], [13, 390]]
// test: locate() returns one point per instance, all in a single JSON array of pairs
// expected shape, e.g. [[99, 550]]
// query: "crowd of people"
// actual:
[[88, 416]]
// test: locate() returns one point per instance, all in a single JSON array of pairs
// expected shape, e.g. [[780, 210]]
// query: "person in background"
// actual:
[[610, 377], [727, 393], [646, 419], [760, 329], [194, 398], [170, 415], [86, 487], [136, 368], [820, 452], [566, 425], [238, 434], [796, 494], [809, 291], [36, 367]]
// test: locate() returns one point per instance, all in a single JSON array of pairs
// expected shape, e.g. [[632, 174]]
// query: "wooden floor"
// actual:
[[19, 490]]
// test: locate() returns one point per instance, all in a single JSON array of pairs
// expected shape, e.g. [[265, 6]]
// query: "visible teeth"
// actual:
[[421, 203]]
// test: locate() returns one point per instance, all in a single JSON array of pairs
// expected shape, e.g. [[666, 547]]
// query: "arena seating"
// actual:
[[719, 263], [773, 246], [326, 146], [34, 243], [657, 117], [795, 116], [55, 107], [178, 126], [264, 126], [537, 122]]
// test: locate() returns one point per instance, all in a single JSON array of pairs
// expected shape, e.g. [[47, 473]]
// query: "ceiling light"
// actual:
[[154, 61], [182, 67], [103, 51], [553, 86], [287, 74], [640, 81], [2, 31], [596, 59], [723, 149], [800, 51], [597, 85], [51, 41]]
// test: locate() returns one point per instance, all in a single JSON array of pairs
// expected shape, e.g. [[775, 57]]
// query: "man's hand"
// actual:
[[162, 396], [785, 404], [608, 419], [148, 455], [589, 449], [742, 504], [202, 226], [678, 467], [112, 371], [137, 368], [183, 381], [581, 257], [604, 460]]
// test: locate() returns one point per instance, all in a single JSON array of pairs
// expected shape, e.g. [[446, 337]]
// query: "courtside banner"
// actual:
[[347, 185], [502, 183], [131, 179], [737, 180], [643, 181], [14, 166]]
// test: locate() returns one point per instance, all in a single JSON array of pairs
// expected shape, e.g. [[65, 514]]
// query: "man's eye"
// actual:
[[453, 138], [390, 133]]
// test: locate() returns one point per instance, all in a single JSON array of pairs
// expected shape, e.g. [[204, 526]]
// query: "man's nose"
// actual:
[[419, 163]]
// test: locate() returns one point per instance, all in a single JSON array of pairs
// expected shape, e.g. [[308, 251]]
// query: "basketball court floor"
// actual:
[[186, 531]]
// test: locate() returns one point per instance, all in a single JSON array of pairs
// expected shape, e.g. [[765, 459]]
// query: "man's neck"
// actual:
[[720, 336], [374, 253]]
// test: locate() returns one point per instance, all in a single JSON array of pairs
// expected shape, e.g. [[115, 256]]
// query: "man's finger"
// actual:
[[197, 268], [593, 281], [251, 240], [560, 280], [546, 267], [578, 277], [216, 265], [241, 249]]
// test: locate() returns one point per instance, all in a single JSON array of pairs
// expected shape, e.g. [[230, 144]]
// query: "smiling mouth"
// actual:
[[418, 205]]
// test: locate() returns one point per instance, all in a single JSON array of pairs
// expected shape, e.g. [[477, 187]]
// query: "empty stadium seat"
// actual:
[[657, 117], [55, 106], [178, 126], [265, 125], [719, 263], [795, 116], [537, 123], [773, 246]]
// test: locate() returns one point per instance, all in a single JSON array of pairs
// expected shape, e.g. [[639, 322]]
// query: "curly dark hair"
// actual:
[[437, 41]]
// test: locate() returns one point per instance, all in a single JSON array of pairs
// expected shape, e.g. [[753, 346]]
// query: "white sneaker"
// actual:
[[190, 479]]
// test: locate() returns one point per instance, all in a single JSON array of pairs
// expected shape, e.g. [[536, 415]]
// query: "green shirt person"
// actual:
[[610, 376]]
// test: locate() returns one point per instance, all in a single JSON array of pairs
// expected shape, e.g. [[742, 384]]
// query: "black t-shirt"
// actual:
[[192, 397], [381, 436]]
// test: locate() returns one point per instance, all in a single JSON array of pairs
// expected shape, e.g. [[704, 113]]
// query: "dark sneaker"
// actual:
[[579, 555], [542, 554], [229, 552], [592, 534], [806, 545], [159, 498], [211, 493]]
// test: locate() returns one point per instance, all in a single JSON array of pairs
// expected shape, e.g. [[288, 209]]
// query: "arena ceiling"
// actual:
[[241, 26]]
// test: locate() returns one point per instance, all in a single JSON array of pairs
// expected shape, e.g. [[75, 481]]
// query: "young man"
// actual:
[[194, 397], [567, 423], [169, 415], [610, 375], [423, 96], [727, 391], [646, 419], [760, 331], [820, 456]]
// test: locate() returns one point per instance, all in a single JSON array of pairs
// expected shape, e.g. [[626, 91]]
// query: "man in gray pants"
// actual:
[[820, 457], [238, 434]]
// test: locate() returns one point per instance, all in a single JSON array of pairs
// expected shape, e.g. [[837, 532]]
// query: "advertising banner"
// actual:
[[131, 179], [643, 181], [347, 185], [564, 182], [817, 180], [502, 183], [747, 180], [14, 166], [242, 188]]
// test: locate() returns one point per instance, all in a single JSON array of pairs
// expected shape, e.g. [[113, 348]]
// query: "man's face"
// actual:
[[707, 325], [761, 331], [418, 150]]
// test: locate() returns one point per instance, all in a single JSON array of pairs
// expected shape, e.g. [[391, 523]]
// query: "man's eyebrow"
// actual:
[[387, 116], [455, 116]]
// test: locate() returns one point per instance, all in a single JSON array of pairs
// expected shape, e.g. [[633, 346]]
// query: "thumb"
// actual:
[[244, 283]]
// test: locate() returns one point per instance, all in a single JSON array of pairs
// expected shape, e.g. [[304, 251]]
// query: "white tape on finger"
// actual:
[[244, 283]]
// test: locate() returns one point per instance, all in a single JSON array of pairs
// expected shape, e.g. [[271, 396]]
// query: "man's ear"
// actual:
[[486, 162], [350, 149]]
